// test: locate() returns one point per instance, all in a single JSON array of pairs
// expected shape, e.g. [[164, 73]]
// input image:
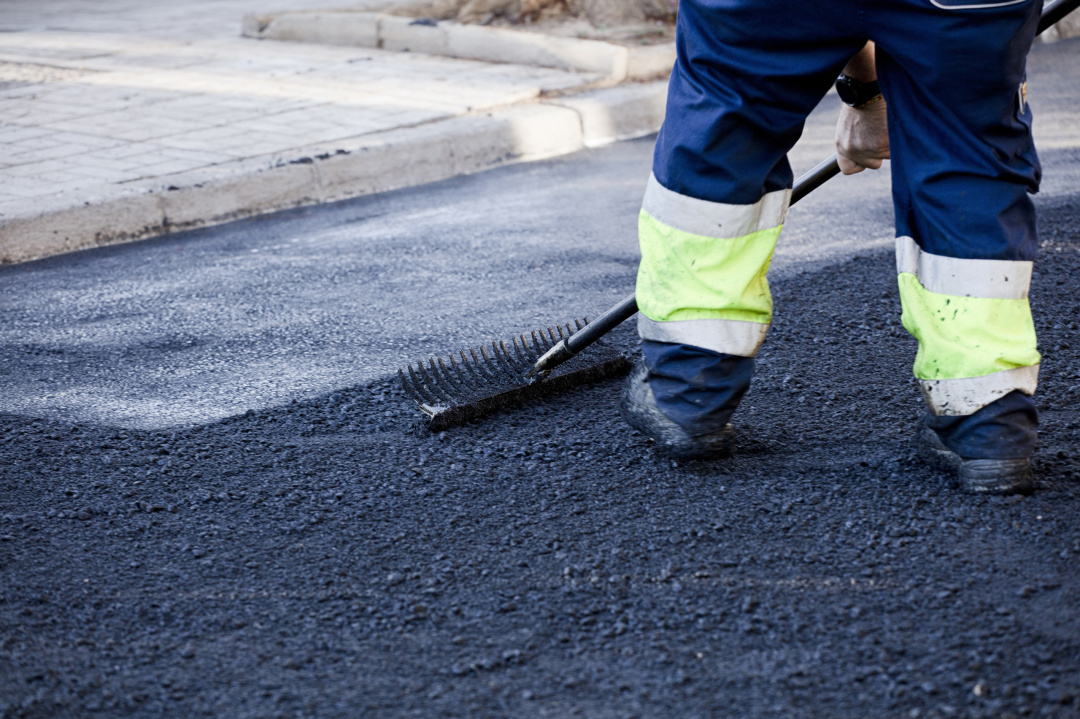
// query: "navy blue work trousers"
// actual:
[[963, 164]]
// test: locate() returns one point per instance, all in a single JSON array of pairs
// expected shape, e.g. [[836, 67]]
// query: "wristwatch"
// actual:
[[855, 93]]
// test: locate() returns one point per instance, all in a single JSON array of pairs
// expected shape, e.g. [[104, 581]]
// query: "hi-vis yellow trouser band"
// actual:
[[702, 279], [973, 323]]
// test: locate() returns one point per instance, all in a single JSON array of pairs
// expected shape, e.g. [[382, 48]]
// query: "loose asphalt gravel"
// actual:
[[163, 553], [330, 558]]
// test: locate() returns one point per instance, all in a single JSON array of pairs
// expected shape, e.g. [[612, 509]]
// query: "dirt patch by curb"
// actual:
[[625, 22]]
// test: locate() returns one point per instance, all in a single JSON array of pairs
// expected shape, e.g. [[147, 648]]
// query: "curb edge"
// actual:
[[329, 172]]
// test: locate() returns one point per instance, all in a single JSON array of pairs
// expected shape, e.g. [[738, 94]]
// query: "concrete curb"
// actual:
[[406, 34], [619, 113], [363, 165]]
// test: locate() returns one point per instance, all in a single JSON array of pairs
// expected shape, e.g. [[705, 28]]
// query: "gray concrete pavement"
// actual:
[[186, 20], [120, 122], [201, 325]]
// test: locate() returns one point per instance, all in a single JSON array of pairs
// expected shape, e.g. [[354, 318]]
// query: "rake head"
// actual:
[[479, 381]]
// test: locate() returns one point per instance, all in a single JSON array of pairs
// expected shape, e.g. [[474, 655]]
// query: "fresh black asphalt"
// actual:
[[317, 554]]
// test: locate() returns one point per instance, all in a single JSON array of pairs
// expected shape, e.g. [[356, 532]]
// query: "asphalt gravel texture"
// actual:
[[216, 501], [331, 557]]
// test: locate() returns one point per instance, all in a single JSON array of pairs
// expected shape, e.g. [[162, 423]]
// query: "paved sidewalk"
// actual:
[[112, 121], [121, 119]]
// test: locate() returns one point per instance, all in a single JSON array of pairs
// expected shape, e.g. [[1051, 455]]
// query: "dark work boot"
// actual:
[[977, 476], [641, 412], [989, 449]]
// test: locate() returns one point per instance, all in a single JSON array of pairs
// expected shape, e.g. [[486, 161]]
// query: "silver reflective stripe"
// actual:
[[1002, 3], [714, 219], [733, 337], [991, 279], [960, 397]]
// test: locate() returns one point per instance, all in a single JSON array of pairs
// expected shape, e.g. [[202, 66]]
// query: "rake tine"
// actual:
[[453, 376], [474, 374], [446, 382], [485, 370], [488, 367], [553, 340], [433, 384], [518, 351], [501, 359], [431, 374], [466, 375], [491, 365], [459, 372], [535, 350], [429, 396], [516, 364], [528, 353], [568, 330], [425, 384], [578, 323], [449, 381], [540, 343], [409, 389], [481, 367], [430, 385]]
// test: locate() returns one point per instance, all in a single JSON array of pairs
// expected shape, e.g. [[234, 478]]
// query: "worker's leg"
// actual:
[[963, 164], [748, 73]]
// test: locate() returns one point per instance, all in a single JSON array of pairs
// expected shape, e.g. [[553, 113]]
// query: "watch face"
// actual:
[[856, 93], [846, 90]]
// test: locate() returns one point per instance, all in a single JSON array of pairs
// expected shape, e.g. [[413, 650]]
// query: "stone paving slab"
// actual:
[[93, 117], [184, 19]]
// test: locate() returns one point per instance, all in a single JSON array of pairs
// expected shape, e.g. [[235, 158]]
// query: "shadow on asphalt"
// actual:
[[327, 559]]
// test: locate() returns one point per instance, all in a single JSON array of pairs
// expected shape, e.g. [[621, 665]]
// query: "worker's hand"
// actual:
[[862, 138]]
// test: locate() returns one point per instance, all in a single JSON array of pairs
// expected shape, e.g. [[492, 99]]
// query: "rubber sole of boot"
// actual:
[[977, 476], [638, 408]]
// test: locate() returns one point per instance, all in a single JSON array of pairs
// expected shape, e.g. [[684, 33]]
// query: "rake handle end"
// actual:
[[551, 359]]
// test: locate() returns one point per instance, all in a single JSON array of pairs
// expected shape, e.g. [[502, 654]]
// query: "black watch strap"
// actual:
[[855, 93]]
